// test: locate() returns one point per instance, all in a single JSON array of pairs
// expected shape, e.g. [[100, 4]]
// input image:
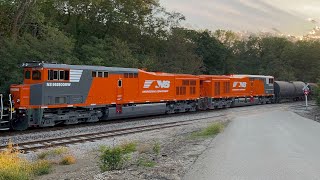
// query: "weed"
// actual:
[[43, 154], [13, 167], [145, 162], [211, 130], [59, 151], [54, 152], [144, 148], [41, 167], [129, 147], [67, 160], [156, 148]]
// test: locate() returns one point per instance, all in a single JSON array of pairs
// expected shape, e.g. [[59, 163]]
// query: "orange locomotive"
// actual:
[[69, 94], [235, 90]]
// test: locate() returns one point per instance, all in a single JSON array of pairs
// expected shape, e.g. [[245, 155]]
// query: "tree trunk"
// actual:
[[23, 7]]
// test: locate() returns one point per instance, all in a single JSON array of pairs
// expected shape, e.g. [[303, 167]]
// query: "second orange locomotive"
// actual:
[[69, 94]]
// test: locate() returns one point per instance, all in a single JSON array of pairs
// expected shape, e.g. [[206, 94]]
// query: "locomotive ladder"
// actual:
[[5, 114]]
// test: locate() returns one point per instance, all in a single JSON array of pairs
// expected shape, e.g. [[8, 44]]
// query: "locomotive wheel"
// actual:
[[20, 124]]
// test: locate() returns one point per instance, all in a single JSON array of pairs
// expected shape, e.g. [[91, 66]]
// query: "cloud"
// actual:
[[252, 15]]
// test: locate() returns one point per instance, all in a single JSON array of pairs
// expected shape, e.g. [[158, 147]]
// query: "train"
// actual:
[[53, 94]]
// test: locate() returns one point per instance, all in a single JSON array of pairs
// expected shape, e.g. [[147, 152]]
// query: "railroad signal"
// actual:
[[306, 92]]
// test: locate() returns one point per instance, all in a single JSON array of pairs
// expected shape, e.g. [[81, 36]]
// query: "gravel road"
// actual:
[[272, 145]]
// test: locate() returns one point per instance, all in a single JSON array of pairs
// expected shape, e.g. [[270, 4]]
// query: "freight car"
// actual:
[[288, 91], [54, 94]]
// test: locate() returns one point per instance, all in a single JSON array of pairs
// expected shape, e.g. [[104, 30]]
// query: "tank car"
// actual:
[[288, 91]]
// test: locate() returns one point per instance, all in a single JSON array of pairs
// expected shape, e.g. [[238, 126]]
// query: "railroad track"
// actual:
[[61, 141]]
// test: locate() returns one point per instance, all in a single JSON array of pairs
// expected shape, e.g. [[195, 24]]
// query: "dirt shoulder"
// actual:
[[177, 151]]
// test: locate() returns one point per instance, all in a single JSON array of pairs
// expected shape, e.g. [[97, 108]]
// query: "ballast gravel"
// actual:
[[48, 134]]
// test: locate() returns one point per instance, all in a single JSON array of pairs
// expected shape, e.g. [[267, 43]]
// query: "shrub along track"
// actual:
[[61, 141]]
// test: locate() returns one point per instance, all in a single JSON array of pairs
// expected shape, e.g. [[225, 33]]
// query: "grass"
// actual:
[[13, 167], [113, 158], [42, 167], [211, 130], [145, 162], [68, 160], [156, 148], [129, 147], [54, 152], [144, 148]]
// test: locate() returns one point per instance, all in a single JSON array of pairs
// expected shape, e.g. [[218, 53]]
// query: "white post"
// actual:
[[306, 101]]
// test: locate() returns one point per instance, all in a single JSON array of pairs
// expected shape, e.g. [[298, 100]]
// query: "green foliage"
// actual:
[[209, 131], [42, 167], [54, 152], [113, 158], [145, 162], [140, 34], [156, 148], [129, 147]]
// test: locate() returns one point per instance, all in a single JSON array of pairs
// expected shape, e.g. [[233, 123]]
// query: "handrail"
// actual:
[[1, 106], [11, 106]]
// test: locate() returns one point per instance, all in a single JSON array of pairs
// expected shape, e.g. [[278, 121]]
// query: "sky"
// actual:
[[284, 16]]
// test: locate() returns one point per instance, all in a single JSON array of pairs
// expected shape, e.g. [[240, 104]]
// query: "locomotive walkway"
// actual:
[[271, 145]]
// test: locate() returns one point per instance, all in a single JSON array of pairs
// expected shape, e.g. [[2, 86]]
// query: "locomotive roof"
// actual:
[[253, 76], [80, 67]]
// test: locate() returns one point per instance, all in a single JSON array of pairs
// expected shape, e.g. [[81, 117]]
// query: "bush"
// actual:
[[115, 157], [211, 130], [41, 167], [13, 167], [129, 147], [67, 160]]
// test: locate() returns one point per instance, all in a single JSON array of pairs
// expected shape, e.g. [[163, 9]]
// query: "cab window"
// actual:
[[27, 74], [271, 81], [36, 75]]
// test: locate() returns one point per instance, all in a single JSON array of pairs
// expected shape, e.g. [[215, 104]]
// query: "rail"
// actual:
[[60, 141]]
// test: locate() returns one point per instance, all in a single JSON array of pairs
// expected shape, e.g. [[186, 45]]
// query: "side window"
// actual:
[[36, 75], [270, 81], [135, 75], [100, 74], [61, 75], [120, 83], [106, 74], [50, 74], [94, 74], [55, 75], [27, 74], [130, 75], [66, 75]]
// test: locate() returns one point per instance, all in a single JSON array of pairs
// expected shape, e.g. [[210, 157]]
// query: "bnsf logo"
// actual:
[[239, 84], [160, 84]]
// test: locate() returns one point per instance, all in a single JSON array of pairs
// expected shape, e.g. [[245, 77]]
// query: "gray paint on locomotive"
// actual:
[[111, 70]]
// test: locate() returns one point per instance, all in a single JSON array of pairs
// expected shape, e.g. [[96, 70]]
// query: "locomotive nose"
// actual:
[[20, 95]]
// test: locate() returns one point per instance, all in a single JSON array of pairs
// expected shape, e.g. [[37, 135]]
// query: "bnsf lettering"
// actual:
[[58, 84]]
